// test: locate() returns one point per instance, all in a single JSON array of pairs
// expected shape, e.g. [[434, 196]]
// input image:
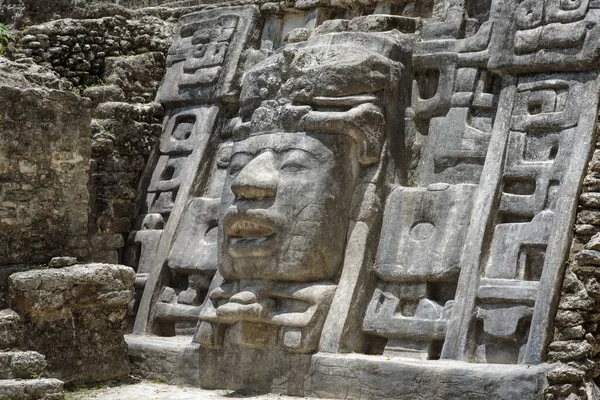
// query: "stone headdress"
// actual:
[[335, 84]]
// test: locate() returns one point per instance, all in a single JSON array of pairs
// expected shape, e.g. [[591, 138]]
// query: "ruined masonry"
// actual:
[[393, 187], [375, 200]]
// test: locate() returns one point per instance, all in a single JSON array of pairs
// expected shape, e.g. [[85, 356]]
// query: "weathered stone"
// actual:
[[382, 23], [76, 317], [565, 373], [58, 262], [354, 376], [11, 329], [47, 150], [297, 35], [568, 350], [21, 364], [413, 198], [573, 332], [31, 389], [590, 200], [107, 242], [102, 94], [588, 257], [588, 217]]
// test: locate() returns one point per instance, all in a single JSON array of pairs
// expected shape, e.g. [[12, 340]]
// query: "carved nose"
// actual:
[[258, 178]]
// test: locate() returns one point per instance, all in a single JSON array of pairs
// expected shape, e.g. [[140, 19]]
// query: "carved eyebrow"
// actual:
[[256, 144]]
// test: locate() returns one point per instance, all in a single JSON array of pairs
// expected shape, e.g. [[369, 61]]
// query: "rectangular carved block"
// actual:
[[76, 317], [546, 35]]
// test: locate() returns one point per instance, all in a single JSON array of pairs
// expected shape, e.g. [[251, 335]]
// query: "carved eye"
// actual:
[[297, 161], [238, 162]]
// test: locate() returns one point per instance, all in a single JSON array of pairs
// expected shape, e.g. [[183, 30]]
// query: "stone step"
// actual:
[[21, 364], [11, 329], [31, 389]]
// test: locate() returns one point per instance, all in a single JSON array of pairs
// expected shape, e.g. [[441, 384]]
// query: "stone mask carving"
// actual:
[[285, 207], [310, 116]]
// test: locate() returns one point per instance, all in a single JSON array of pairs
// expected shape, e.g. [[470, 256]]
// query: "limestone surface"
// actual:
[[76, 317], [355, 199]]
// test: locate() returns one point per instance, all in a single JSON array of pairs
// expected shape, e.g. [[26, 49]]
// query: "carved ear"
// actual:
[[364, 123]]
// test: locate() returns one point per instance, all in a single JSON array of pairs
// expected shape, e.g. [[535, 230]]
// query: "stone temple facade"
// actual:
[[357, 200]]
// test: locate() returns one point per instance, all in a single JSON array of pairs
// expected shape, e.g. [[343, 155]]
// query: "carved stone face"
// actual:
[[309, 117], [285, 206]]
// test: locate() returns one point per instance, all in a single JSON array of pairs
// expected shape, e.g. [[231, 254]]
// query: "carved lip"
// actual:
[[248, 234], [248, 229]]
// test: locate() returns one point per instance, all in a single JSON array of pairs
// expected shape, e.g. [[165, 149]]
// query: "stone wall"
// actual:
[[576, 343], [28, 12], [75, 316], [118, 62], [44, 168], [123, 137], [77, 49]]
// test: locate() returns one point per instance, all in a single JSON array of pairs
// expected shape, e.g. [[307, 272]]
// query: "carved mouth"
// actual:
[[249, 236], [249, 229]]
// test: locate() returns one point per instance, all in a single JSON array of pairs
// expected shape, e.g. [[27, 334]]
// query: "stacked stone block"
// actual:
[[21, 371], [44, 164], [118, 63], [576, 343], [76, 317], [123, 136], [77, 49]]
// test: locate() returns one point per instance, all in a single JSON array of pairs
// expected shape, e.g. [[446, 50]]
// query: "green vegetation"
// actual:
[[5, 38]]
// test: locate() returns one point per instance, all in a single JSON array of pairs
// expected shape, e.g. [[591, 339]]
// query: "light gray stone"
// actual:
[[322, 164], [359, 376], [404, 183]]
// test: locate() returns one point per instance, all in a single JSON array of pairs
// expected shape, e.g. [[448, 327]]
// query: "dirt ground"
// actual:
[[160, 391]]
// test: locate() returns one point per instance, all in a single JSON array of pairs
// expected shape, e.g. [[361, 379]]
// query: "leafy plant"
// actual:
[[5, 37]]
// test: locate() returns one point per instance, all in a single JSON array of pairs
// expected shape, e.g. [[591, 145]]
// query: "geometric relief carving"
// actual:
[[202, 72], [304, 136], [418, 263], [543, 35], [167, 174], [541, 140], [433, 84], [538, 153], [272, 173], [142, 243], [502, 331], [546, 105], [423, 232], [202, 62], [280, 313], [453, 106], [180, 134], [459, 140], [192, 260]]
